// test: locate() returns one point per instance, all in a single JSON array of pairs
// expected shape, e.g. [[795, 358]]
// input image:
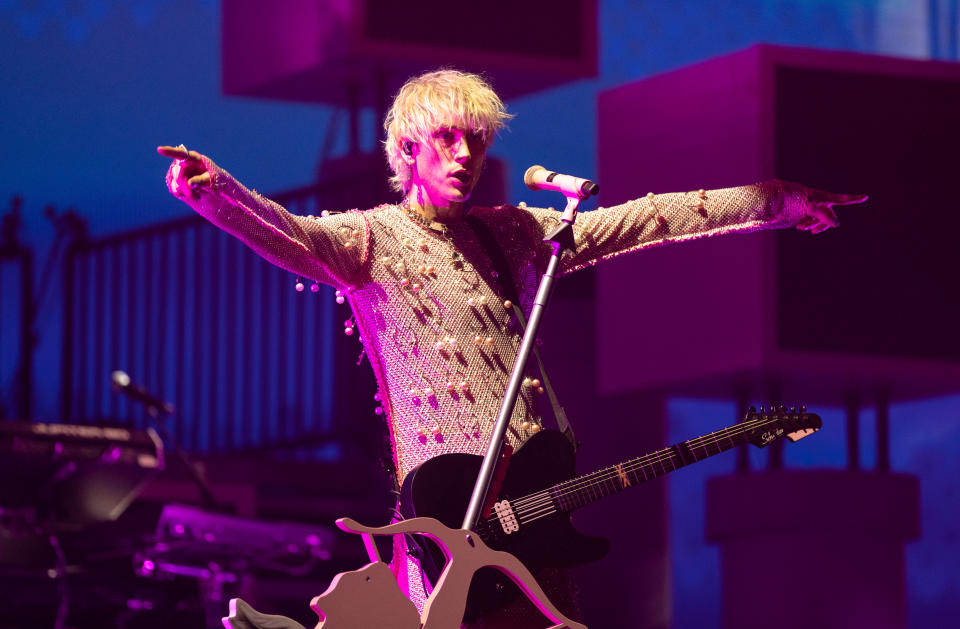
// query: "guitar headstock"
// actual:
[[766, 426]]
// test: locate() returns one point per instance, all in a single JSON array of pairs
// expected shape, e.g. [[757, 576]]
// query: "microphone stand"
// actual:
[[562, 241], [206, 494], [159, 411]]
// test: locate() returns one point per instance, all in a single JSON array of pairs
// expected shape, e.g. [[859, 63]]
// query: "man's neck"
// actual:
[[440, 213]]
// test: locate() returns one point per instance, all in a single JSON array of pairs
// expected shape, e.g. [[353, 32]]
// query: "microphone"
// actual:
[[121, 382], [539, 178]]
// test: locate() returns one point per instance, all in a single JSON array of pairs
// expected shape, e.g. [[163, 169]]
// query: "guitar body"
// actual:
[[441, 488], [533, 520]]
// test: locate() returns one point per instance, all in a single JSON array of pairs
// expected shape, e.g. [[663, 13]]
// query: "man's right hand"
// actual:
[[188, 175]]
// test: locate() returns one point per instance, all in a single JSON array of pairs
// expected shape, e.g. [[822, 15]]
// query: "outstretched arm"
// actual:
[[657, 219], [331, 249]]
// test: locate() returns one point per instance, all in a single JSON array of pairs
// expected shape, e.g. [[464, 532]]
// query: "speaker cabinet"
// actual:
[[872, 305], [360, 51]]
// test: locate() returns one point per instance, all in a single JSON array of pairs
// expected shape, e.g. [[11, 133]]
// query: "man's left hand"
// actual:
[[820, 215]]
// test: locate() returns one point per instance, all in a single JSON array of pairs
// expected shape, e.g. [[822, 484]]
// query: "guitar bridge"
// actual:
[[506, 517]]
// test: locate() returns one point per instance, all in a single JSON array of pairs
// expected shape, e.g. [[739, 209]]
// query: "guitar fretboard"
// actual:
[[583, 490], [762, 429]]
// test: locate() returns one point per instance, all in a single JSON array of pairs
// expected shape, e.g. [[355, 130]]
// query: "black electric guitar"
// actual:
[[530, 516]]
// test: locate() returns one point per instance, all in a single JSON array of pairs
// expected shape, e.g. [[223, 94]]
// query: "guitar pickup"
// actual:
[[506, 517]]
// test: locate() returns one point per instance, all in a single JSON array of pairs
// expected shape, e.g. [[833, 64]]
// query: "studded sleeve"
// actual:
[[331, 249], [658, 219]]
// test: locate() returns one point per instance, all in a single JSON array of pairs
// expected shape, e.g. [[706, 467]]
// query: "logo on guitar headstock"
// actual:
[[771, 435]]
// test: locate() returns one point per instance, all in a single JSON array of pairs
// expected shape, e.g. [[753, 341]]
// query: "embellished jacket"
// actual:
[[428, 306]]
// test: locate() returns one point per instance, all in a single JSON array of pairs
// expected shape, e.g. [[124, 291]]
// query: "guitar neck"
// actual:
[[582, 490]]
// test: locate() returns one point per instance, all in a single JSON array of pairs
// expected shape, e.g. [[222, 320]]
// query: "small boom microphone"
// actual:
[[121, 382], [539, 178]]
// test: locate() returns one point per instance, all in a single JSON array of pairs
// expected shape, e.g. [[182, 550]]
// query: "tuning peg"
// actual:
[[803, 409], [752, 409], [793, 410]]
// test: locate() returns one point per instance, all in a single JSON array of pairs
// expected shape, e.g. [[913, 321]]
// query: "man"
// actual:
[[431, 308]]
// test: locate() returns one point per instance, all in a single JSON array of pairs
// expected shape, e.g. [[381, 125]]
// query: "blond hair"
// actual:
[[434, 100]]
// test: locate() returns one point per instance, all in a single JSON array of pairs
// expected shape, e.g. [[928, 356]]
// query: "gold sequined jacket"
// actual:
[[427, 303]]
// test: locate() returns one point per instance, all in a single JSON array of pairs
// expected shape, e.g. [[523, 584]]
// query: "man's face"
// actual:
[[447, 166]]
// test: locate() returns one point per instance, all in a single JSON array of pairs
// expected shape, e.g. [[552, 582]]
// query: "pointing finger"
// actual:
[[836, 198], [848, 199], [177, 152]]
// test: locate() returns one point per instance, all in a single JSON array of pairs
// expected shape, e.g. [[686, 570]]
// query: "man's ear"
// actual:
[[407, 150]]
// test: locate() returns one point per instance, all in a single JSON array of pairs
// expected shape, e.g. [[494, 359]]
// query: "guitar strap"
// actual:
[[505, 279]]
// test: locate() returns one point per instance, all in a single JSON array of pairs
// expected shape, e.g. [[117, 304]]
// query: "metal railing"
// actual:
[[198, 319]]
